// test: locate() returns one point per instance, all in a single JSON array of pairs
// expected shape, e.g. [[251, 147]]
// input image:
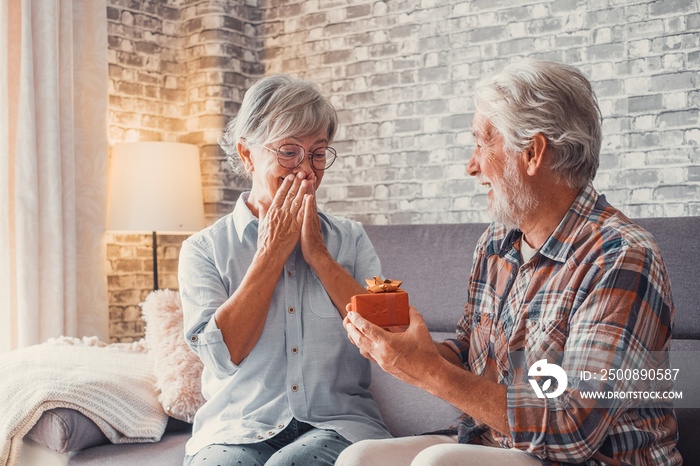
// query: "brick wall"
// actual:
[[400, 74], [177, 70], [130, 278]]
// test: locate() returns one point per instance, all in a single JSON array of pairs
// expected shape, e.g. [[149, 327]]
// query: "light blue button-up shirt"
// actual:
[[303, 365]]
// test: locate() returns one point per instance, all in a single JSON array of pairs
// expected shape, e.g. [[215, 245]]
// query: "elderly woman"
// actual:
[[264, 292]]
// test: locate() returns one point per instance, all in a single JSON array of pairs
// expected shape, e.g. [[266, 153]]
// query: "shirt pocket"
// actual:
[[320, 303], [548, 331]]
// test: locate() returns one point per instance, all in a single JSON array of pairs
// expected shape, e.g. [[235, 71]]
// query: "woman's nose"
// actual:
[[305, 165]]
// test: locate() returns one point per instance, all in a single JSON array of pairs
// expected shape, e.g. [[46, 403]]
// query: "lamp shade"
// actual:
[[155, 186]]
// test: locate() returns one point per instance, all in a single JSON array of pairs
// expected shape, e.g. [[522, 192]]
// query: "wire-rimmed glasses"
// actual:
[[291, 156]]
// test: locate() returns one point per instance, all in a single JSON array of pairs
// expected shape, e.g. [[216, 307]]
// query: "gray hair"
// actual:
[[274, 108], [534, 96]]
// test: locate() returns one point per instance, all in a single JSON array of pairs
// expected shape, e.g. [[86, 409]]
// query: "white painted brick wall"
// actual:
[[401, 74]]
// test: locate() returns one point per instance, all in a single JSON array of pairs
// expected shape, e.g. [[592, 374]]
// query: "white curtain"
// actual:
[[53, 170]]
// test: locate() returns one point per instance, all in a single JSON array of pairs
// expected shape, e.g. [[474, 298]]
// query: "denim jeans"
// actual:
[[298, 445]]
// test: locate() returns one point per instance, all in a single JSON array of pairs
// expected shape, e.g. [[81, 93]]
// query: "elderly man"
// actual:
[[560, 279]]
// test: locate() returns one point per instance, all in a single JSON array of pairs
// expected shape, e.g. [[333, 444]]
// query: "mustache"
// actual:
[[482, 179]]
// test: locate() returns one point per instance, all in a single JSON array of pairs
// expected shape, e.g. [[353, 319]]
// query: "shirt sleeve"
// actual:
[[367, 263], [202, 291], [461, 344], [625, 314]]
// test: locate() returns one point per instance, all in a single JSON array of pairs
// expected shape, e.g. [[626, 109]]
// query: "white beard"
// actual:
[[512, 199]]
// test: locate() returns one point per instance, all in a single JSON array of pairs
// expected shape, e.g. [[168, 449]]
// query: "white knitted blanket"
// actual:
[[112, 384]]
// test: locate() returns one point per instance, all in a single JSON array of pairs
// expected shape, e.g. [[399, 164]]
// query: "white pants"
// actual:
[[430, 450]]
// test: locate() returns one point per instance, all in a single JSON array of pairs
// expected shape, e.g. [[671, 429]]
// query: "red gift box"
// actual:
[[385, 305]]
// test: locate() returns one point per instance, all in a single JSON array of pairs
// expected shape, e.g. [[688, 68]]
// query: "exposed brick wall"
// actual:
[[177, 70], [130, 278], [400, 74]]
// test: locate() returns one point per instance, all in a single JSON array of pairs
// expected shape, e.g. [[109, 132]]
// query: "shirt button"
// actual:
[[280, 426], [193, 338], [259, 436], [271, 433], [295, 388], [295, 350], [289, 274], [291, 310], [544, 327], [505, 372]]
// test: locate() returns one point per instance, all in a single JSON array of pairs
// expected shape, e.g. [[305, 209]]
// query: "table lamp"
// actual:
[[155, 186]]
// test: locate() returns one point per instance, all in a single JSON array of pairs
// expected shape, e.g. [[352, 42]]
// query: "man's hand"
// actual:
[[410, 356], [413, 357]]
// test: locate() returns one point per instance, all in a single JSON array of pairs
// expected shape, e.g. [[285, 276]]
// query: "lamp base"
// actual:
[[155, 261]]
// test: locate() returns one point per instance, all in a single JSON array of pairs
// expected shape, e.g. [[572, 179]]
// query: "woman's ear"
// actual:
[[245, 155], [536, 153]]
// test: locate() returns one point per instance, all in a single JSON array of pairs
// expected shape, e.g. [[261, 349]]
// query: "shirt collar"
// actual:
[[243, 218], [559, 245]]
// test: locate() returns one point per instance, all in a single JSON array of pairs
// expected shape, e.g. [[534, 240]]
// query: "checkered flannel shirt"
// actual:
[[596, 290]]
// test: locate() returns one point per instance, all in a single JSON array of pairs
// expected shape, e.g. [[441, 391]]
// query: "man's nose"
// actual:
[[473, 165]]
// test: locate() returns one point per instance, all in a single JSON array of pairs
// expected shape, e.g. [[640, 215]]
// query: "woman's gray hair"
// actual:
[[534, 96], [274, 108]]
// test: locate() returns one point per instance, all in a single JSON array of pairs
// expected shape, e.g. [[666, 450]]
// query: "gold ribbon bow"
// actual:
[[377, 285]]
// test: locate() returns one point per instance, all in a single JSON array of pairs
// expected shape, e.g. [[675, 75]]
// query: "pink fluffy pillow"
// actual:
[[177, 368]]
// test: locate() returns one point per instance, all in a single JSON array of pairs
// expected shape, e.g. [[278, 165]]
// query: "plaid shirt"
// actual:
[[597, 289]]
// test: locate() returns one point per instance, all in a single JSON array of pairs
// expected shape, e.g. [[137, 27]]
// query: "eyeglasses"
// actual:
[[291, 156]]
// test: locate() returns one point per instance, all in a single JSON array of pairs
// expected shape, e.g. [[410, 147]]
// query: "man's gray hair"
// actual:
[[274, 108], [534, 96]]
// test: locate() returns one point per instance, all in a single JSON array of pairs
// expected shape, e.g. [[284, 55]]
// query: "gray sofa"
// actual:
[[434, 263]]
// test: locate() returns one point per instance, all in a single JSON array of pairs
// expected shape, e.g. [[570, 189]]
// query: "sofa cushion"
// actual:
[[169, 451], [407, 410], [177, 368], [64, 430]]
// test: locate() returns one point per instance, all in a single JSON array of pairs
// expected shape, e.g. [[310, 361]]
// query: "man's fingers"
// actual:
[[358, 339], [414, 315], [361, 332], [353, 332], [364, 326]]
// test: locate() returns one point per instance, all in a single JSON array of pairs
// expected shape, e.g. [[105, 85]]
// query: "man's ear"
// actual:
[[535, 154], [244, 153]]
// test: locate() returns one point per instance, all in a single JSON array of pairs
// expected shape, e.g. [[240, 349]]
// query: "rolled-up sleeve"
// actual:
[[202, 291], [367, 264]]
